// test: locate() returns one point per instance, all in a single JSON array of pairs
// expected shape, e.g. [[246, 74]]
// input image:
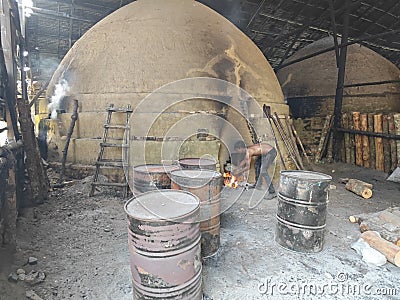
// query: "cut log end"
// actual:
[[367, 193], [353, 219], [397, 259]]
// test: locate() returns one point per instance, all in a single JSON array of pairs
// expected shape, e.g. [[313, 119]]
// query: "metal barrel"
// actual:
[[164, 243], [305, 185], [206, 185], [152, 177], [302, 210], [298, 237], [198, 163]]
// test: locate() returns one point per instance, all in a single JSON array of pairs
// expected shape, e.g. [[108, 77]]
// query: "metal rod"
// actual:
[[74, 117], [368, 133], [267, 110], [371, 83], [288, 143], [44, 87], [293, 140], [284, 142], [340, 82], [255, 14], [342, 45], [301, 144]]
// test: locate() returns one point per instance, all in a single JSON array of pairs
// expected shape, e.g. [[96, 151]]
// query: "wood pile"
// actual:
[[380, 153], [386, 222]]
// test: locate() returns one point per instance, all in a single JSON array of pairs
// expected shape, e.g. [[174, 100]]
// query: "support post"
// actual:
[[340, 83]]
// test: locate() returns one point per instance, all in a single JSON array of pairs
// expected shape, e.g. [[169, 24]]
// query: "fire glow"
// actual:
[[230, 180]]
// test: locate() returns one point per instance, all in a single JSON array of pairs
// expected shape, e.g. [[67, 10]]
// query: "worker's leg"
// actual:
[[257, 167], [266, 161]]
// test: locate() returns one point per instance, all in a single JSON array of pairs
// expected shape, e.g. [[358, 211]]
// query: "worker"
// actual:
[[265, 154]]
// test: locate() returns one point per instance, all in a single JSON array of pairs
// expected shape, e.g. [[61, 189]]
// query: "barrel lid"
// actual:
[[306, 175], [198, 161], [162, 205], [156, 168]]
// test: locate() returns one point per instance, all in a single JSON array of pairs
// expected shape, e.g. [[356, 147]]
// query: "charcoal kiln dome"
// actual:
[[150, 43], [315, 80]]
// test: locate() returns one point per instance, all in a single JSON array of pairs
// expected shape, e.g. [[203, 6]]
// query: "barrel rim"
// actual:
[[157, 172], [214, 162], [289, 173], [176, 219], [216, 174]]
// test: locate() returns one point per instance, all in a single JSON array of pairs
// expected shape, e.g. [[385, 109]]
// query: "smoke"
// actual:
[[60, 90]]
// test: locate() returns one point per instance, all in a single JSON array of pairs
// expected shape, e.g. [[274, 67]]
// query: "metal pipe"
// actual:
[[368, 133], [371, 83]]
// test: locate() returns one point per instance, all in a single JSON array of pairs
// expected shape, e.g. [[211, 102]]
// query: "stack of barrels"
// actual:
[[173, 222], [302, 208]]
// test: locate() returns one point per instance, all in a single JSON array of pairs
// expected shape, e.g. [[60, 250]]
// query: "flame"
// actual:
[[230, 180]]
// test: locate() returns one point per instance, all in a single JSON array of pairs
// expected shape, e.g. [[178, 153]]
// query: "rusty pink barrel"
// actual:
[[198, 163], [207, 186], [152, 177], [164, 244]]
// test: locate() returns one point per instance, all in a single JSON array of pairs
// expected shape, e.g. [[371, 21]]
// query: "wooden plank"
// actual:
[[352, 143], [357, 138], [393, 144], [386, 145], [329, 152], [365, 141], [396, 119], [345, 121], [371, 139], [380, 161], [323, 140]]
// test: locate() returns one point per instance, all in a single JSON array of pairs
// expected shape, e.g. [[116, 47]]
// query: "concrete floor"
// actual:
[[81, 244]]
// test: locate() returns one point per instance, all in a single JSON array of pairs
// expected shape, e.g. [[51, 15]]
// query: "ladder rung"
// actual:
[[122, 110], [111, 163], [109, 184], [113, 145], [115, 126]]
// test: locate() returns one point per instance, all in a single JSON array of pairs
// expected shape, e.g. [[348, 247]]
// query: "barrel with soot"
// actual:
[[164, 244], [198, 163], [207, 186], [302, 208], [152, 177]]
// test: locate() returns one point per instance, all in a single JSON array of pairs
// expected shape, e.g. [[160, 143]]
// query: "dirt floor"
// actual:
[[81, 247]]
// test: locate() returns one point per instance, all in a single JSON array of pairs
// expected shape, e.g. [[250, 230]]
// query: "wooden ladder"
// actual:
[[117, 163]]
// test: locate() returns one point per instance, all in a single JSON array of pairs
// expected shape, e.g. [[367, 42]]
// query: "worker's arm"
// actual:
[[244, 164]]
